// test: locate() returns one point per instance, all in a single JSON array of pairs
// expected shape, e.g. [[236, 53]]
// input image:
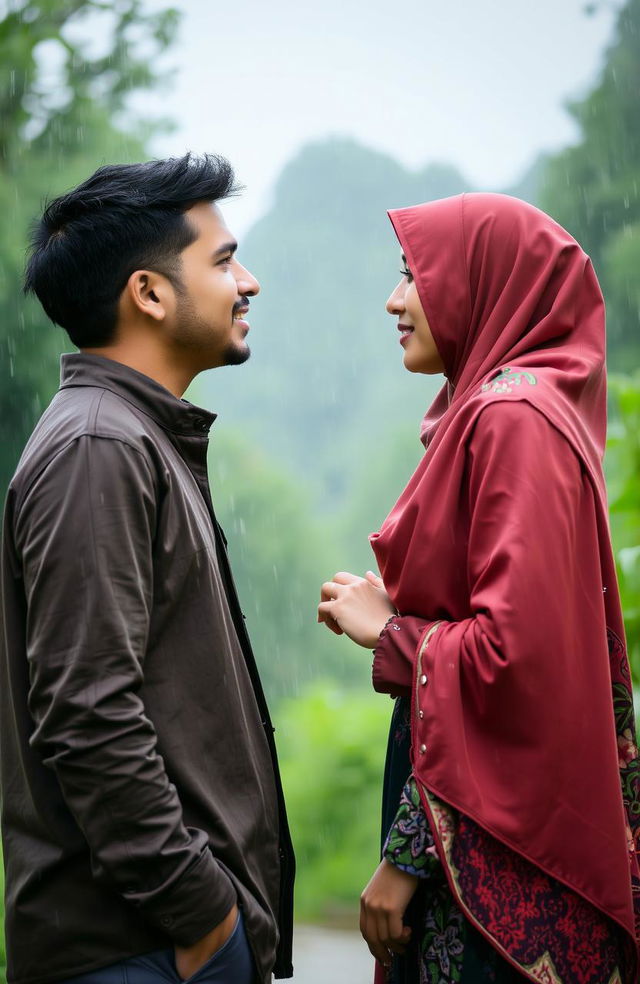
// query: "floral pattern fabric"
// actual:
[[410, 847], [628, 760], [441, 950], [409, 844], [551, 933]]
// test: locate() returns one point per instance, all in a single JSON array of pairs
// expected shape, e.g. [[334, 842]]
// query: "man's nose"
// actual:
[[247, 283]]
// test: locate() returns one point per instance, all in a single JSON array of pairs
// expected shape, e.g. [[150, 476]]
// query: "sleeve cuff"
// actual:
[[195, 903], [394, 655], [409, 839]]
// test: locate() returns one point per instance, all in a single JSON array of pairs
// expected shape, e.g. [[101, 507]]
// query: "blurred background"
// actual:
[[331, 113]]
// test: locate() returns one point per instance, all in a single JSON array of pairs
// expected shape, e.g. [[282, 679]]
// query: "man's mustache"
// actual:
[[241, 305]]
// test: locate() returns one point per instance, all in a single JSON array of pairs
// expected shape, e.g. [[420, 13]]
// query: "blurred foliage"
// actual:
[[623, 481], [280, 555], [62, 114], [326, 380], [593, 188], [332, 747], [319, 393], [374, 490]]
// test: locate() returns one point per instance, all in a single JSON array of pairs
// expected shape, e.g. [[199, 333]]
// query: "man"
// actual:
[[143, 822]]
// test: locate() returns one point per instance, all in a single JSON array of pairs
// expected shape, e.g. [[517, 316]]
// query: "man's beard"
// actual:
[[234, 355], [193, 329], [237, 353]]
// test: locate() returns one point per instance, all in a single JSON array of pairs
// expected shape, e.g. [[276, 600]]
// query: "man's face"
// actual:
[[209, 327]]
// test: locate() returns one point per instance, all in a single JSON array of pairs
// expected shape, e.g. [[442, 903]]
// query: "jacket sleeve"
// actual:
[[395, 655], [85, 536]]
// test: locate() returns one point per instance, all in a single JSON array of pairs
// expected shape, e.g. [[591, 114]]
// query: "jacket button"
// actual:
[[166, 921], [423, 679], [423, 749], [420, 714]]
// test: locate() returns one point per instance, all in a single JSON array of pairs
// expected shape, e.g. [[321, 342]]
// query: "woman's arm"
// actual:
[[408, 856]]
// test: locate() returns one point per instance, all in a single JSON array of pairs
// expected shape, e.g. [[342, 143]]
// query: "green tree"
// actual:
[[593, 188], [332, 747], [623, 480], [375, 491], [280, 556], [63, 112]]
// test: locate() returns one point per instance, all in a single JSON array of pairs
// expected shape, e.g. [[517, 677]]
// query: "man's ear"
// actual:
[[150, 293]]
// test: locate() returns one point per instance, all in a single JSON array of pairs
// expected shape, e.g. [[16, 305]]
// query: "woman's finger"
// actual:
[[344, 577], [374, 579], [382, 930], [333, 625], [328, 607], [329, 590], [376, 948], [399, 934], [329, 621]]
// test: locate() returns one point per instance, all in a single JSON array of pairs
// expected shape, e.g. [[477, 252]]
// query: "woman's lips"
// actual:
[[405, 332]]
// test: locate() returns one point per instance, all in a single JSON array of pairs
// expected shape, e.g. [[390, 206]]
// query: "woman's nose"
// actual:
[[395, 304]]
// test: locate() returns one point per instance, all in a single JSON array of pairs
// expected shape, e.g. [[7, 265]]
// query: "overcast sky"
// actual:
[[479, 83]]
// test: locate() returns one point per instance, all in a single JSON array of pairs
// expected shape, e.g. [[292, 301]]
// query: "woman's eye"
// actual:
[[407, 273]]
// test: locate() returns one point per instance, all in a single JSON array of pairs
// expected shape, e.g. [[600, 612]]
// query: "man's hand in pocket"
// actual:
[[189, 959]]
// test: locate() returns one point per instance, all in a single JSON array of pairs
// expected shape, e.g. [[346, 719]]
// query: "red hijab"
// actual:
[[517, 719]]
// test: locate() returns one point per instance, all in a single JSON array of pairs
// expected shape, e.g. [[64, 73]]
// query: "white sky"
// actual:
[[478, 83]]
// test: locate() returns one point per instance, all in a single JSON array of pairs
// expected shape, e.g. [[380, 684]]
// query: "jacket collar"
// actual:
[[171, 413]]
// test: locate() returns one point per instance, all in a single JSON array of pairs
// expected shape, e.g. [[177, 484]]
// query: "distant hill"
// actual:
[[325, 389], [328, 414], [531, 185]]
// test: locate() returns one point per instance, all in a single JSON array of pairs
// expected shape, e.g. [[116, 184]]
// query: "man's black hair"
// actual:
[[125, 217]]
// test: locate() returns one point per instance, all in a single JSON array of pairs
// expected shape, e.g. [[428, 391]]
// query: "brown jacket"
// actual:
[[140, 786]]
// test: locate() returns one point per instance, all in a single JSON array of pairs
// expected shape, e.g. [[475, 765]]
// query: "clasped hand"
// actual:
[[357, 606]]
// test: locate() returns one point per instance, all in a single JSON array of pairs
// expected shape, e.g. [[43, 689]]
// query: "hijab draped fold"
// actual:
[[502, 536]]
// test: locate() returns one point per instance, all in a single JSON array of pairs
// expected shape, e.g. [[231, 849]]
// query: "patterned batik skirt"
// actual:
[[560, 939]]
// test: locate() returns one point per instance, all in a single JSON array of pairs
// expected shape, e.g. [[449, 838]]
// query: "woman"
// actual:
[[510, 851]]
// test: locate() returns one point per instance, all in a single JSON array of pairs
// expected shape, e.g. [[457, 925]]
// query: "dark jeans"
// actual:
[[231, 964]]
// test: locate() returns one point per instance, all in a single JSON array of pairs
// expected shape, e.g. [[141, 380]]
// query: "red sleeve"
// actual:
[[395, 655]]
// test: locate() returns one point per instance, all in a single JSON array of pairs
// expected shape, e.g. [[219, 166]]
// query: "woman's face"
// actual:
[[420, 352]]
